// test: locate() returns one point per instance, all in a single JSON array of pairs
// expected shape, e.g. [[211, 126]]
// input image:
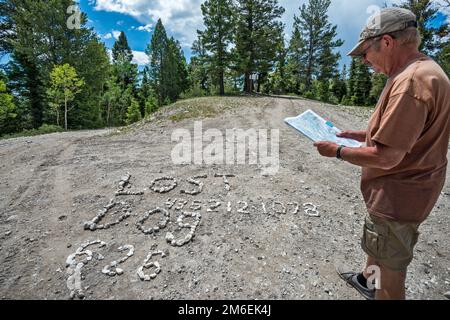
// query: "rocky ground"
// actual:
[[256, 245]]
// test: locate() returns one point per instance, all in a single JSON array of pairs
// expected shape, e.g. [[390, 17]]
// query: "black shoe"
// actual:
[[351, 278]]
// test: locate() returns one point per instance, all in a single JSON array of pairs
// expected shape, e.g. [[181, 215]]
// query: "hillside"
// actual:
[[51, 185]]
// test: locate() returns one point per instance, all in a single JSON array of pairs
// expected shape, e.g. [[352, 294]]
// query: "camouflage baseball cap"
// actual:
[[385, 21]]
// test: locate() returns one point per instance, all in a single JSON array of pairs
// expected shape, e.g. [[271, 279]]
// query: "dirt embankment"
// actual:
[[256, 244]]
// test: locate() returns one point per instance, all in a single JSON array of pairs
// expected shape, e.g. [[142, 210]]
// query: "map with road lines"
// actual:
[[316, 128]]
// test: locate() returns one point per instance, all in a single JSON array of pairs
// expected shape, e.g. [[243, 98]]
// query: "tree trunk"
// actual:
[[107, 114], [309, 69], [261, 79], [65, 112], [57, 116], [248, 88], [221, 83], [246, 82]]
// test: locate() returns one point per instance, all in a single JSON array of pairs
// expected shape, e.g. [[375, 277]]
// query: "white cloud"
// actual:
[[181, 18], [350, 17], [113, 34], [140, 58], [116, 34], [147, 28]]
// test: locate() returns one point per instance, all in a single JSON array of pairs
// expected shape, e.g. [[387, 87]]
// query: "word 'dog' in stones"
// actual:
[[161, 225], [94, 223], [170, 238]]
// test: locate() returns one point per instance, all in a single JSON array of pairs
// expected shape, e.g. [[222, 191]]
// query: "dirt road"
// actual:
[[257, 244]]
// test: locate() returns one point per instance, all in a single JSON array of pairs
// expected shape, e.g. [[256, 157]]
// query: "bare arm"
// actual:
[[379, 156], [359, 136]]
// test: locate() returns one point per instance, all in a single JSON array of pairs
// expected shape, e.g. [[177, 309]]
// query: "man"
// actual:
[[405, 159]]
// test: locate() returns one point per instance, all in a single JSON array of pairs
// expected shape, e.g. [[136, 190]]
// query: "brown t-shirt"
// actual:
[[413, 115]]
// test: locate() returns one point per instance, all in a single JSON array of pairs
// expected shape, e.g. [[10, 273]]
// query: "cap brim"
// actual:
[[356, 51]]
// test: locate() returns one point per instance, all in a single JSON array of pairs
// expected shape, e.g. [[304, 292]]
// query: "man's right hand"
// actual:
[[359, 136]]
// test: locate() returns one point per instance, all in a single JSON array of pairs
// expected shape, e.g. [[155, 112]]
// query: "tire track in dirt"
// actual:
[[36, 201], [233, 255]]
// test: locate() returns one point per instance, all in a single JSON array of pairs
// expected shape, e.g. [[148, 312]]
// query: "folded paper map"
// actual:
[[318, 129]]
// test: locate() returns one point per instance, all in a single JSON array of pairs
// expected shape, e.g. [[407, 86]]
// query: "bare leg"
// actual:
[[392, 282], [370, 262], [392, 285]]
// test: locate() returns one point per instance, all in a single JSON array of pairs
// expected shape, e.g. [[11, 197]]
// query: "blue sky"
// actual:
[[183, 17]]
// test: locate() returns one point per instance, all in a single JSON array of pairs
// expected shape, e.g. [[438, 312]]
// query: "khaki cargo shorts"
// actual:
[[390, 243]]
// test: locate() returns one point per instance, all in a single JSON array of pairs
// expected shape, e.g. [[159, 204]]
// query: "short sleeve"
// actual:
[[402, 122]]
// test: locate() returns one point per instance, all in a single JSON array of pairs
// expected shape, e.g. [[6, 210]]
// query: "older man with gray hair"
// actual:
[[404, 161]]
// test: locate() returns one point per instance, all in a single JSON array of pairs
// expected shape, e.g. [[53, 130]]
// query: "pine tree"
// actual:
[[133, 112], [110, 100], [432, 36], [182, 75], [6, 25], [351, 80], [443, 54], [315, 39], [21, 42], [258, 32], [378, 84], [359, 83], [278, 83], [144, 91], [39, 39], [296, 61], [339, 87], [125, 71], [218, 18], [8, 111], [199, 66], [151, 105], [121, 50], [156, 51], [168, 72], [443, 58], [94, 67]]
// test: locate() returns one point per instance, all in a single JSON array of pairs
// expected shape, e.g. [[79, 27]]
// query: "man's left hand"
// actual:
[[327, 149]]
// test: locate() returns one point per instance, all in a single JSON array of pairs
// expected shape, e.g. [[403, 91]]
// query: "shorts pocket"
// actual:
[[374, 243]]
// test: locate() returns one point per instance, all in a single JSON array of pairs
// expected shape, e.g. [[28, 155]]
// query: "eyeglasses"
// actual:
[[364, 53]]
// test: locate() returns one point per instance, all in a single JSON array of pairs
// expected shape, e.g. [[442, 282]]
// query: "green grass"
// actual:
[[198, 108], [194, 111], [192, 108], [44, 129]]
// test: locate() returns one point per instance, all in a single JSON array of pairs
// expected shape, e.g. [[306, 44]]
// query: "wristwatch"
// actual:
[[338, 152]]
